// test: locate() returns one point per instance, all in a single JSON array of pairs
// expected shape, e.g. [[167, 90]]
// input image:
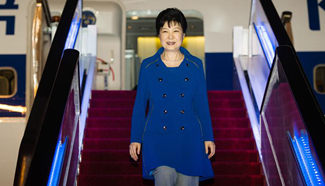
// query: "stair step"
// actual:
[[113, 94], [249, 180], [112, 103], [123, 155], [99, 122], [109, 112], [115, 180], [131, 94], [137, 180], [128, 103], [127, 112], [125, 133], [123, 143], [228, 112], [228, 122], [116, 168]]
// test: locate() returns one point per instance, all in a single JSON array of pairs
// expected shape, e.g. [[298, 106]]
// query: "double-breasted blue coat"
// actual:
[[178, 121]]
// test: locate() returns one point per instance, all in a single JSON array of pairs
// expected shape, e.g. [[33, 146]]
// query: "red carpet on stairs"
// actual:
[[105, 154]]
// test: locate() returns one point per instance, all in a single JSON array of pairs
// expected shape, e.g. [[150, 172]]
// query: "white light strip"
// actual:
[[72, 34], [272, 148], [266, 44], [251, 112], [11, 108], [86, 96], [74, 28], [249, 105]]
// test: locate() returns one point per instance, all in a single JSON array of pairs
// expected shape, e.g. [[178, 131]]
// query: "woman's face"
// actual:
[[171, 38]]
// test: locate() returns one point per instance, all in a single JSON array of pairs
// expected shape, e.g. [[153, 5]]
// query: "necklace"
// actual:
[[179, 57]]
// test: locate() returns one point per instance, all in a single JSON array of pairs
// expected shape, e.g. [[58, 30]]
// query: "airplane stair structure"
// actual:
[[105, 158], [269, 131]]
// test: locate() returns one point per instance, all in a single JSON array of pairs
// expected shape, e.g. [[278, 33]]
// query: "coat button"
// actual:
[[157, 65], [164, 95], [164, 127], [186, 79], [187, 64], [182, 128], [165, 111], [160, 79], [182, 94]]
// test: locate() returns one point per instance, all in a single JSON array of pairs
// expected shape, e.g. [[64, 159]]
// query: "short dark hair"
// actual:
[[170, 15]]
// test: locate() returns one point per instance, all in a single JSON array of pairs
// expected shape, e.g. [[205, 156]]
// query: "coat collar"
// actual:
[[182, 49]]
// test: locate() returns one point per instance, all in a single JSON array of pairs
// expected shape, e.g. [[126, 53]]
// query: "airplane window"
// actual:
[[8, 82], [319, 78]]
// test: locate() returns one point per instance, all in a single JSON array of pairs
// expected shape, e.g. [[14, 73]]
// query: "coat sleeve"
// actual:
[[139, 108], [201, 105]]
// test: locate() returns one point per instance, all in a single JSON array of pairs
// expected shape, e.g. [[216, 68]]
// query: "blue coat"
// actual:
[[178, 120]]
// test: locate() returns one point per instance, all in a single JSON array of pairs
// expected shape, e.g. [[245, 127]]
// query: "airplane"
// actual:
[[244, 45]]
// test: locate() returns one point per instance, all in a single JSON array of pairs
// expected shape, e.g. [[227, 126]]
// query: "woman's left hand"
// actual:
[[210, 145]]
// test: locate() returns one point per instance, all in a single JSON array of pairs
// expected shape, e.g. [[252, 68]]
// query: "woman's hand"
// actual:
[[210, 145], [135, 150]]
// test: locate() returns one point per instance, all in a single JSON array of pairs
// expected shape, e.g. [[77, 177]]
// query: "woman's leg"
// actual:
[[184, 180], [165, 176]]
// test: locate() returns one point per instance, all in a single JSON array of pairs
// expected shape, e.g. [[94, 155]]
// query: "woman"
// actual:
[[175, 135]]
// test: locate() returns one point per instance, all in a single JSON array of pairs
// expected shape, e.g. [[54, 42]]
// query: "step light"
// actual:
[[307, 163], [57, 163]]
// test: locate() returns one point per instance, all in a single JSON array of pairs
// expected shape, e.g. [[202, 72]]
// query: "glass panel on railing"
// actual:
[[66, 155], [287, 149], [263, 44]]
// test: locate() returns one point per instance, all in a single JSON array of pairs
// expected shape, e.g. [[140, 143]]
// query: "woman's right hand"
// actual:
[[135, 150]]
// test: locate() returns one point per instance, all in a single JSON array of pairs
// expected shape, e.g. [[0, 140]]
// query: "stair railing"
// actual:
[[288, 121], [39, 141]]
